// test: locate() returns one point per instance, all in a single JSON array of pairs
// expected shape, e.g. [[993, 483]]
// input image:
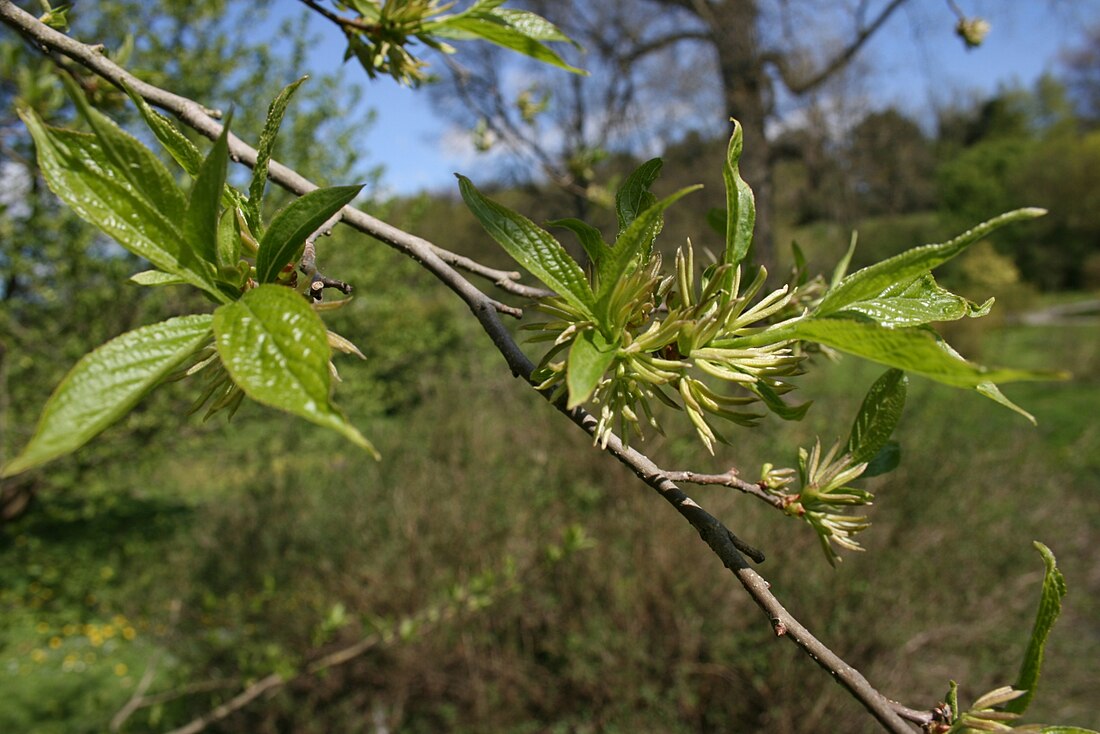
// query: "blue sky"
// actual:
[[917, 61]]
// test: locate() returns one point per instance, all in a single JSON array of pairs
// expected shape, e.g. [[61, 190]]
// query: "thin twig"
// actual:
[[713, 532], [729, 479], [344, 23]]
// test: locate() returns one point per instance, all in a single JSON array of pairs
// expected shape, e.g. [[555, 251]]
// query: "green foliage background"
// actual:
[[216, 553]]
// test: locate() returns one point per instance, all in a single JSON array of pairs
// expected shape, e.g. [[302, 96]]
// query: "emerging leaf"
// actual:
[[1050, 606], [200, 223], [531, 246], [264, 147], [589, 357], [182, 150], [877, 417], [284, 240], [634, 196], [106, 384], [276, 349], [740, 203]]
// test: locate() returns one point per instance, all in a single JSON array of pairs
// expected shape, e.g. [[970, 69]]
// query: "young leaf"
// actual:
[[156, 277], [106, 384], [264, 147], [1050, 605], [182, 150], [275, 348], [589, 357], [634, 196], [874, 279], [918, 302], [916, 350], [633, 247], [877, 417], [229, 240], [530, 246], [200, 223], [283, 241], [740, 204], [591, 239], [143, 218], [517, 30], [884, 462], [129, 159]]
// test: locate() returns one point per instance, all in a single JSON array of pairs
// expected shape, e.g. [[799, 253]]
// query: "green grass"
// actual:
[[254, 532]]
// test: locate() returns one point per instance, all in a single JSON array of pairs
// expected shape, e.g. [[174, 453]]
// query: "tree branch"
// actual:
[[721, 541], [800, 86]]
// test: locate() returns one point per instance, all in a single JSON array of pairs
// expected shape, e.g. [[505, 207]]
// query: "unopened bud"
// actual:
[[972, 31]]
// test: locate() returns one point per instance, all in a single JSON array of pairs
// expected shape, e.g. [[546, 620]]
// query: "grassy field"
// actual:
[[252, 548]]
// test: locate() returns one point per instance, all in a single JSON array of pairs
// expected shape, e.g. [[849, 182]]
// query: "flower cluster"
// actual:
[[676, 346]]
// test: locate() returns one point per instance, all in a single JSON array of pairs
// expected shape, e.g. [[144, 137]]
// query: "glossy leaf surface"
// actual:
[[107, 383], [284, 240], [276, 349]]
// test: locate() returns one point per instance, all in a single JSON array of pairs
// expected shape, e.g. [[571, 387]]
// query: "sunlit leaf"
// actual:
[[284, 240], [156, 277], [740, 203], [518, 31], [589, 357], [182, 150], [917, 350], [633, 247], [200, 223], [276, 349], [266, 144], [921, 301], [874, 279], [106, 384], [531, 246], [143, 217]]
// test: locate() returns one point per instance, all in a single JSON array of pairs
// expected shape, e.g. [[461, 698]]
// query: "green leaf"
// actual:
[[200, 223], [275, 348], [994, 393], [106, 384], [283, 241], [589, 357], [918, 350], [531, 246], [919, 302], [1050, 606], [266, 144], [79, 170], [129, 159], [884, 462], [878, 416], [634, 246], [156, 277], [740, 204], [776, 404], [515, 30], [1066, 730], [229, 240], [182, 150], [634, 196], [532, 25], [591, 239], [874, 279]]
